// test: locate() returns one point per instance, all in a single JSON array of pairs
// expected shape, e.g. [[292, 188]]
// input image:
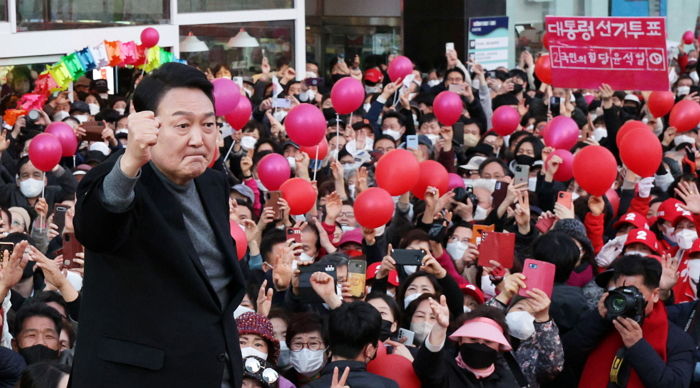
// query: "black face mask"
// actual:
[[385, 331], [631, 111], [328, 113], [477, 356], [524, 159], [38, 353], [517, 88]]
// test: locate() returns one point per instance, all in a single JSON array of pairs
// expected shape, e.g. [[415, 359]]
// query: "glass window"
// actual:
[[275, 40], [3, 10], [230, 5], [68, 14]]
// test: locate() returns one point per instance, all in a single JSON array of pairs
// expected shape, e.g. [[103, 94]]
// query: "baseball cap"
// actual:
[[632, 97], [474, 291], [83, 81], [244, 191], [354, 236], [633, 218], [373, 268], [669, 210], [643, 236], [473, 163], [373, 75]]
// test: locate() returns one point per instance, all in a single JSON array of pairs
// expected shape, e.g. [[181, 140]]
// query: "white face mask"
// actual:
[[680, 139], [82, 118], [280, 115], [121, 111], [635, 253], [433, 138], [434, 82], [466, 309], [599, 133], [94, 109], [248, 351], [305, 258], [470, 140], [292, 162], [410, 298], [31, 188], [248, 142], [694, 274], [284, 359], [480, 213], [100, 147], [307, 95], [574, 196], [60, 115], [240, 310], [373, 89], [410, 269], [521, 324], [422, 329], [682, 90], [694, 76], [308, 362], [685, 238], [456, 249], [346, 228], [532, 183], [396, 135], [366, 107]]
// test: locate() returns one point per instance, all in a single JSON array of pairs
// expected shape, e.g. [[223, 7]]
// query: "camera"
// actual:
[[627, 302], [462, 194]]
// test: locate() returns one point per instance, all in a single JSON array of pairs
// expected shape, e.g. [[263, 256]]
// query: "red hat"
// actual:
[[643, 236], [354, 235], [669, 210], [258, 324], [633, 218], [373, 268], [695, 248], [683, 215], [374, 75], [474, 291]]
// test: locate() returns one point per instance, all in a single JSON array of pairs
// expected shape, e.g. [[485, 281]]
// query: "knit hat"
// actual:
[[575, 229], [258, 324], [21, 213]]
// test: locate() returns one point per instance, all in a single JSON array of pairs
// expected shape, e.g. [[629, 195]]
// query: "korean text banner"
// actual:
[[625, 52]]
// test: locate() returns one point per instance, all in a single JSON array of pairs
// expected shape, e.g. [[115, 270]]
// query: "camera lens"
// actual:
[[617, 303]]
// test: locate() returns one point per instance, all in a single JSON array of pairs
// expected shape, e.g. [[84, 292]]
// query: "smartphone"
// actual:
[[412, 142], [59, 216], [71, 246], [449, 46], [281, 103], [498, 247], [478, 232], [93, 130], [538, 274], [499, 193], [357, 275], [409, 257], [405, 333], [459, 89], [522, 174], [544, 224], [458, 132], [564, 198], [306, 292], [554, 103], [6, 246], [294, 233], [273, 197]]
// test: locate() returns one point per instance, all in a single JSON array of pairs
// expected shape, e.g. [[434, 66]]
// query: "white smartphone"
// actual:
[[449, 46], [412, 142], [408, 334]]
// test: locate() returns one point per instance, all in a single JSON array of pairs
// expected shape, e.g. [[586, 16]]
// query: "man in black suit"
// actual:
[[161, 274]]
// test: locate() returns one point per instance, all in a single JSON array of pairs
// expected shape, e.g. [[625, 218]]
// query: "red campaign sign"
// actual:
[[629, 53]]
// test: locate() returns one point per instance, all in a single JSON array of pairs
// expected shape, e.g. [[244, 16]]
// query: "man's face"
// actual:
[[38, 330], [384, 146], [187, 135], [29, 171], [493, 170], [346, 216], [430, 127], [651, 296], [454, 78], [392, 123]]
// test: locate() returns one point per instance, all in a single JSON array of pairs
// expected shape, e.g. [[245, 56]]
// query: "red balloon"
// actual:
[[226, 96], [397, 171], [505, 120], [660, 103], [685, 115], [595, 169], [273, 170], [628, 127], [299, 194], [347, 95], [454, 181], [447, 107], [394, 367], [45, 151], [65, 135], [543, 69], [562, 133], [641, 152], [688, 37], [565, 170], [239, 237], [373, 208], [311, 151], [149, 37], [305, 125], [240, 115], [545, 40], [399, 67], [433, 174]]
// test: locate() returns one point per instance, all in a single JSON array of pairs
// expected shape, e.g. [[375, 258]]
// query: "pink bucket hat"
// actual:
[[484, 328]]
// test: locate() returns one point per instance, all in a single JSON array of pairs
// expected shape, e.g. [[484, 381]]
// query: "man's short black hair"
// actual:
[[398, 116], [351, 327], [426, 118], [50, 296], [493, 159], [35, 309], [455, 70], [632, 265], [559, 249], [171, 75], [269, 240]]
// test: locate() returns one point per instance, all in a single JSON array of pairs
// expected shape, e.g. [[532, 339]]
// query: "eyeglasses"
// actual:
[[254, 366], [313, 345], [455, 238], [346, 214]]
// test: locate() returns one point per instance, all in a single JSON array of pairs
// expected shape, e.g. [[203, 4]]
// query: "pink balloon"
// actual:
[[454, 181], [64, 133], [505, 120], [45, 151], [562, 133], [565, 171], [305, 125], [399, 67], [273, 170], [241, 115], [149, 37], [688, 37], [226, 96], [239, 237], [447, 107], [347, 95]]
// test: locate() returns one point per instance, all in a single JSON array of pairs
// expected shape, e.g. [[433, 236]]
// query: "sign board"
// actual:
[[629, 53], [488, 41]]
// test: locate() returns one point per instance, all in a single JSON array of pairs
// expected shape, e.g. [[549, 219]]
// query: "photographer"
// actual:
[[628, 341]]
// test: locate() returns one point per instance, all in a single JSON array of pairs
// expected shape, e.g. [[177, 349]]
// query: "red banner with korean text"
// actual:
[[629, 53]]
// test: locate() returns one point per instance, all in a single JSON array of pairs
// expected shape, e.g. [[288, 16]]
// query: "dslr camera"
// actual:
[[627, 302], [462, 195]]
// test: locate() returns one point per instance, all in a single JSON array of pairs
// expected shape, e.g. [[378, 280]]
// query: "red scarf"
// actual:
[[596, 373]]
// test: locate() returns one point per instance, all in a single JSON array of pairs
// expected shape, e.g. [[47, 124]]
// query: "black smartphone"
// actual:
[[458, 132], [59, 216], [406, 257], [306, 292], [554, 105], [499, 193]]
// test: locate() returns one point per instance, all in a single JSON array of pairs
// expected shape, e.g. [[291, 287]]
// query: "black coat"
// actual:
[[358, 377], [149, 315]]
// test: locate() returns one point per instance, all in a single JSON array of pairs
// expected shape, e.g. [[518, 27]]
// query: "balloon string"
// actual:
[[43, 178], [228, 153], [337, 125], [315, 162]]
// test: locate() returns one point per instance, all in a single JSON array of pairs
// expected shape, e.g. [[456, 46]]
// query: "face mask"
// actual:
[[532, 183], [635, 253], [372, 89], [466, 309], [366, 107], [307, 362], [285, 354], [694, 77], [685, 238], [524, 159], [240, 310], [470, 140], [410, 269], [31, 188], [328, 113], [410, 298], [433, 138], [279, 115], [248, 142], [517, 88], [121, 130], [521, 324], [477, 356], [349, 168], [631, 110], [385, 331], [292, 162], [305, 258], [38, 353], [248, 351], [530, 128], [680, 139], [434, 82], [456, 249], [121, 111], [60, 115], [694, 273], [94, 109], [682, 90], [480, 213], [100, 147], [81, 118], [422, 329], [396, 135], [346, 228], [308, 95], [599, 133]]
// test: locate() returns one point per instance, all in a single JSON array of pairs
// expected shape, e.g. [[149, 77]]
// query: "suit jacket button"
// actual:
[[222, 357]]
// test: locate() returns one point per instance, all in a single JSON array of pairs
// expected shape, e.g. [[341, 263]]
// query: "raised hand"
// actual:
[[13, 266], [539, 302], [143, 135], [669, 273], [688, 192], [340, 382], [596, 205], [324, 286], [441, 311], [264, 302]]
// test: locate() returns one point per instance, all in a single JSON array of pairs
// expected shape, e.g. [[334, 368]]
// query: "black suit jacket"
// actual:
[[149, 315]]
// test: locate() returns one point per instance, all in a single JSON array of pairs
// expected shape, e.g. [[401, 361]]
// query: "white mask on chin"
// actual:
[[248, 351]]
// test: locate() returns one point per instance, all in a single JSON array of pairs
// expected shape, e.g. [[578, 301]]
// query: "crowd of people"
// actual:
[[448, 320]]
